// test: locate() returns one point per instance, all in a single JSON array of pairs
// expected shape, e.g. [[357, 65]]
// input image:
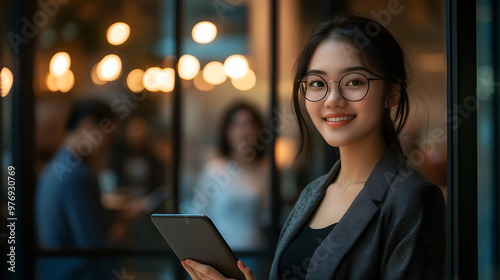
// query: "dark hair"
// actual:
[[377, 49], [95, 109], [224, 147]]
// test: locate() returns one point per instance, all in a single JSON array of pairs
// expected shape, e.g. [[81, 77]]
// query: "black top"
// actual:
[[296, 257]]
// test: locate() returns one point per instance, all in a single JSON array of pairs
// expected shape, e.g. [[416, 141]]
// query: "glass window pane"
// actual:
[[242, 36], [224, 162], [103, 170], [487, 140]]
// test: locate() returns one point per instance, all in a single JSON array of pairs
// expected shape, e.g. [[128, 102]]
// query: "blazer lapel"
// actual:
[[332, 250]]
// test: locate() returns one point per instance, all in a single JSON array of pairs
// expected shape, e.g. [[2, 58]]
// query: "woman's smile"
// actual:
[[338, 120]]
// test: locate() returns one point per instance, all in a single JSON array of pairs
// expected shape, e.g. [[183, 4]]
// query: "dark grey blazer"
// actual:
[[394, 228]]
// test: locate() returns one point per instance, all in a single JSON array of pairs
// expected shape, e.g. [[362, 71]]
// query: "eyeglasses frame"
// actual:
[[338, 86]]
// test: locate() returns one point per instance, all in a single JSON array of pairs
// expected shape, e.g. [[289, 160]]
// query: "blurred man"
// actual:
[[69, 214]]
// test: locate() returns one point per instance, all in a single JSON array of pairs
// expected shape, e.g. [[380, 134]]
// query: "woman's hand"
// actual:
[[199, 271]]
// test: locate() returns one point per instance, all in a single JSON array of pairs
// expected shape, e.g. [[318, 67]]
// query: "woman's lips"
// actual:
[[338, 120]]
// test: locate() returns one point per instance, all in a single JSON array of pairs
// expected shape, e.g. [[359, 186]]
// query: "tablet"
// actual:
[[196, 237]]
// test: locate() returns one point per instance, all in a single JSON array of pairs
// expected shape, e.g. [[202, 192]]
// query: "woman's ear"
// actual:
[[393, 96]]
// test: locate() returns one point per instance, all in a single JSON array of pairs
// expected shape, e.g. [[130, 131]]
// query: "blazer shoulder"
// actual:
[[410, 187]]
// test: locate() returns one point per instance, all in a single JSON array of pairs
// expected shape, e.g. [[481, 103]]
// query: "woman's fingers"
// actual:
[[200, 271], [190, 271], [204, 271], [246, 271]]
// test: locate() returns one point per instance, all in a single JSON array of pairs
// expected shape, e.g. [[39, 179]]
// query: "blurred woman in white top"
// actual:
[[235, 184]]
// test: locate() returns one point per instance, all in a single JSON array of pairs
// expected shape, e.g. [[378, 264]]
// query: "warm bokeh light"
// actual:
[[189, 66], [245, 83], [201, 84], [157, 79], [213, 73], [167, 78], [51, 82], [95, 78], [59, 64], [150, 79], [65, 83], [109, 68], [236, 66], [118, 33], [6, 81], [284, 152], [62, 83], [204, 32], [134, 80]]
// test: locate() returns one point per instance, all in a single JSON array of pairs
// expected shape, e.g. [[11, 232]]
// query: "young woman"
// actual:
[[372, 216]]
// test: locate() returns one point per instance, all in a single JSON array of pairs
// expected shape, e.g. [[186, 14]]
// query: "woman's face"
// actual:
[[339, 121], [242, 130]]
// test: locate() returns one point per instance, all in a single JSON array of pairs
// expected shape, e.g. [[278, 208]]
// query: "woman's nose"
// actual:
[[333, 97]]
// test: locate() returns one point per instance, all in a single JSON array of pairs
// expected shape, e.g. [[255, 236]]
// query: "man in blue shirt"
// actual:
[[68, 211]]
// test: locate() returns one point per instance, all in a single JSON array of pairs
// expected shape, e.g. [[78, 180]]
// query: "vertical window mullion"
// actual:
[[462, 140], [274, 182], [23, 100]]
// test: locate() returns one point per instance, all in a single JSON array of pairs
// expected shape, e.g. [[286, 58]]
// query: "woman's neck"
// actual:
[[359, 158]]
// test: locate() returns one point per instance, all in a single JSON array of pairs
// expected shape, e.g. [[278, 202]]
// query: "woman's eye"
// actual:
[[317, 84], [354, 83]]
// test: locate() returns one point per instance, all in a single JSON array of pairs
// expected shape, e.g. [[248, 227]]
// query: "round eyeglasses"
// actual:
[[352, 86]]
